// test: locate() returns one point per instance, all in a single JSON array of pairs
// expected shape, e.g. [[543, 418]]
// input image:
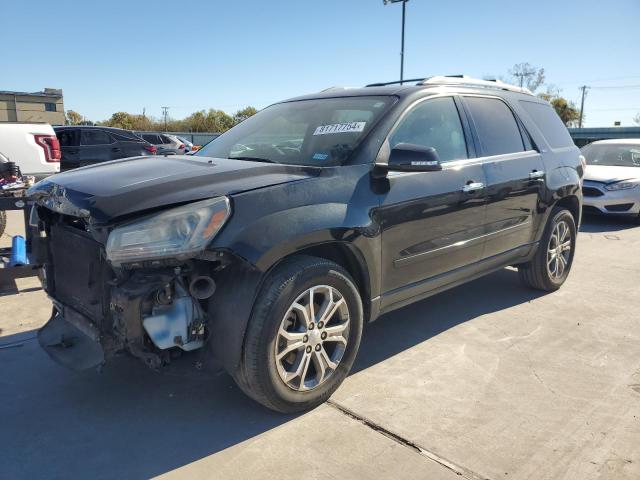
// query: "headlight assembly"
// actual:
[[612, 187], [181, 232]]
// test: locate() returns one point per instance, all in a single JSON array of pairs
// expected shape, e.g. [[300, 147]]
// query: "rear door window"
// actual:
[[95, 137], [68, 137], [433, 123], [496, 126], [549, 123], [152, 138]]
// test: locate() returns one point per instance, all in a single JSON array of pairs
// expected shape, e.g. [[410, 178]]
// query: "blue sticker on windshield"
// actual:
[[320, 156]]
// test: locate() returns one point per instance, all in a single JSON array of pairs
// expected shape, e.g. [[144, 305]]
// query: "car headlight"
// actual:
[[612, 187], [181, 232]]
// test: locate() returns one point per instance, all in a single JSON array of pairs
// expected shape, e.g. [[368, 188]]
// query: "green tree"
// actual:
[[242, 115], [120, 120], [566, 110], [73, 118]]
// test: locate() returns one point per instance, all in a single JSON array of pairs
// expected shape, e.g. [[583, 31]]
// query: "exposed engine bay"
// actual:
[[153, 311]]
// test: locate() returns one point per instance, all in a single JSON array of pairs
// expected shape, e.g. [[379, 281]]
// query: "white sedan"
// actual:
[[612, 179]]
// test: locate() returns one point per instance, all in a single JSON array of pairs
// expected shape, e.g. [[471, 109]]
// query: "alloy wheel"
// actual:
[[312, 338], [559, 250]]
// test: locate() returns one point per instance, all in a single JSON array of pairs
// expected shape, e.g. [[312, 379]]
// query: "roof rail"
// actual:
[[396, 82], [335, 89], [464, 80]]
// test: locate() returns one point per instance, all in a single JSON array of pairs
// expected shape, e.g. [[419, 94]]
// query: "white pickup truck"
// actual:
[[33, 147]]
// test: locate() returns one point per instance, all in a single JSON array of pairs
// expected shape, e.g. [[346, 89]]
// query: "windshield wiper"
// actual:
[[253, 159]]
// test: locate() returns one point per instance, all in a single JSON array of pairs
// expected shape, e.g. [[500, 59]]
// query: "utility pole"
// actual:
[[404, 10], [165, 112], [584, 89]]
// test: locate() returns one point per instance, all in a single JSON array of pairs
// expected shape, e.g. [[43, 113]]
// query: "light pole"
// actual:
[[404, 8]]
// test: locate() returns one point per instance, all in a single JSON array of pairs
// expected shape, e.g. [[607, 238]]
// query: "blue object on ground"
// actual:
[[18, 252]]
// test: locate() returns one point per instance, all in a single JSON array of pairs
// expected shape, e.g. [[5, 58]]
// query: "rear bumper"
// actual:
[[71, 340]]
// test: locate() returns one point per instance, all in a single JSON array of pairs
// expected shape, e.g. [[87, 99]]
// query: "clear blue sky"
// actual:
[[127, 55]]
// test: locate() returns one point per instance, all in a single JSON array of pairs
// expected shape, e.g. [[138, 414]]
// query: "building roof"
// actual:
[[47, 92]]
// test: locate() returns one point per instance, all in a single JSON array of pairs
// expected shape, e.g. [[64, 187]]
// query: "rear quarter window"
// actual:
[[549, 123]]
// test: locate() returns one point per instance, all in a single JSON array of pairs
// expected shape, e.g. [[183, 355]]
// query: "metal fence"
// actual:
[[582, 136], [199, 138]]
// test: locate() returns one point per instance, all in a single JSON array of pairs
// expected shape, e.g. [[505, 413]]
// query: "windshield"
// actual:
[[619, 155], [320, 132]]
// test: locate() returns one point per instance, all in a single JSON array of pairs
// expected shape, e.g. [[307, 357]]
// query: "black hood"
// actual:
[[110, 190]]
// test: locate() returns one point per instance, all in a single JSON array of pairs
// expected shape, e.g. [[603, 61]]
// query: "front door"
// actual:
[[514, 172], [432, 222]]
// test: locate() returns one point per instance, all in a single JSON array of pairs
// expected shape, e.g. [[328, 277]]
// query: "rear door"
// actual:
[[97, 146], [69, 139], [514, 172], [432, 222]]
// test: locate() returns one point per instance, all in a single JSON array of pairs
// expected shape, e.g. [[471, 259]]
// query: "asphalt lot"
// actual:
[[489, 380]]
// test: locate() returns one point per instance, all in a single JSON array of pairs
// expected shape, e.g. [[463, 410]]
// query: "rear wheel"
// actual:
[[303, 335], [552, 262]]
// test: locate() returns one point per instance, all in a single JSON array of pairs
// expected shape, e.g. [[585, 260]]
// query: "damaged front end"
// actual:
[[142, 286]]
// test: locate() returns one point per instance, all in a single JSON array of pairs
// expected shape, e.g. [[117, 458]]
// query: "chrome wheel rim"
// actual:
[[559, 250], [312, 338]]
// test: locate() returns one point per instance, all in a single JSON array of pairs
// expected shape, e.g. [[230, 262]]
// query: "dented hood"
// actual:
[[115, 189]]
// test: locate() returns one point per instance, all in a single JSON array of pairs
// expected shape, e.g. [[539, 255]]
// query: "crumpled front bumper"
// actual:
[[71, 340]]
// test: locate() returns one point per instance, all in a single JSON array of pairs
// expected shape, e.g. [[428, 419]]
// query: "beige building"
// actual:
[[46, 106]]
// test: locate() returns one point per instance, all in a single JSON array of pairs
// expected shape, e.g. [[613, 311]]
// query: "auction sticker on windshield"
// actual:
[[347, 127]]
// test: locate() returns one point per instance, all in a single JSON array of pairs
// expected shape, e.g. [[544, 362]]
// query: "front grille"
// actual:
[[78, 270], [619, 207], [591, 192]]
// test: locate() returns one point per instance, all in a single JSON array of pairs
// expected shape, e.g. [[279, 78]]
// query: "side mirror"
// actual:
[[406, 157]]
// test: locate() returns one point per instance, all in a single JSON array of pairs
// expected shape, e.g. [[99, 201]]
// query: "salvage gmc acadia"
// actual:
[[272, 246]]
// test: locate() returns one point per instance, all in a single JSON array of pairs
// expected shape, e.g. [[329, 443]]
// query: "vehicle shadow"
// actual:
[[130, 422], [602, 224]]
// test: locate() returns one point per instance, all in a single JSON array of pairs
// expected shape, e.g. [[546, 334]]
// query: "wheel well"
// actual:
[[572, 204], [344, 256]]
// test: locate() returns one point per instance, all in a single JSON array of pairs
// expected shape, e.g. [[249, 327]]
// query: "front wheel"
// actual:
[[303, 335], [550, 266]]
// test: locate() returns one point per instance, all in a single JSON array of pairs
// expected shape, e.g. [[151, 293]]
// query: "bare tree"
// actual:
[[526, 75]]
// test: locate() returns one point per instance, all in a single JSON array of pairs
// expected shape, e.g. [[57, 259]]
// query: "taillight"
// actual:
[[51, 147], [151, 149], [181, 145]]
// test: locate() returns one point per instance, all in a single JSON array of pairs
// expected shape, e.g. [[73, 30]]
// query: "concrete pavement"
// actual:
[[489, 380]]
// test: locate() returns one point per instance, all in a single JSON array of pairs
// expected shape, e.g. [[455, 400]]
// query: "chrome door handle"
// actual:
[[536, 174], [472, 187]]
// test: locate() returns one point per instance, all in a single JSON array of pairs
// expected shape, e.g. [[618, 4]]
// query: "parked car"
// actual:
[[188, 146], [87, 145], [612, 178], [166, 144], [273, 245], [31, 146]]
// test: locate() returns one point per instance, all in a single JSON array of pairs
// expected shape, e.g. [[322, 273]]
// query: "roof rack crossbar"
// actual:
[[463, 80]]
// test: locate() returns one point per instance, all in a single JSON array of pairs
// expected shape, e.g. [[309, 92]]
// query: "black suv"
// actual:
[[273, 245], [85, 145]]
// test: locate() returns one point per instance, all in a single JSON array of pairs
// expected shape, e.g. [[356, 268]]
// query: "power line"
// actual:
[[618, 87]]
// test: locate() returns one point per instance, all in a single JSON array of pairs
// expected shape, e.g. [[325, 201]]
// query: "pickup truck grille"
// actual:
[[78, 271]]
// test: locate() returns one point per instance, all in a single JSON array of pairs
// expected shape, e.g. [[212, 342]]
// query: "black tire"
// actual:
[[258, 374], [536, 273], [3, 221]]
